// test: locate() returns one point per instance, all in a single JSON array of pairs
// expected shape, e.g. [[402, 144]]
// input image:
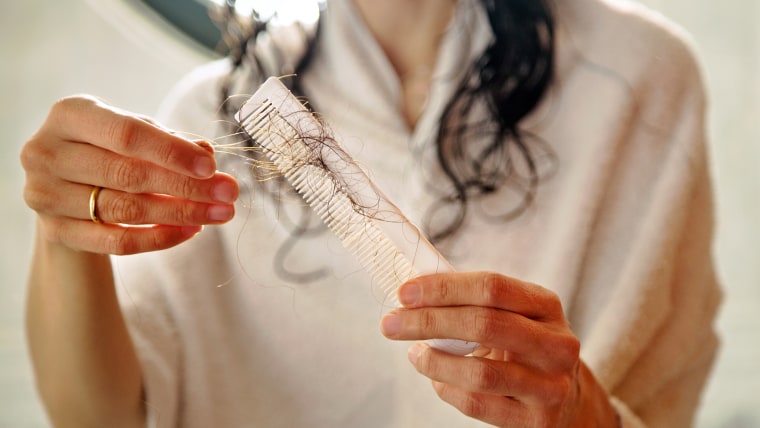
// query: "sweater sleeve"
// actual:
[[154, 336], [652, 342], [664, 382], [663, 355], [145, 282], [665, 376]]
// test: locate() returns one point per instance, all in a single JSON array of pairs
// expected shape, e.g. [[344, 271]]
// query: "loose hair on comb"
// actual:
[[499, 90]]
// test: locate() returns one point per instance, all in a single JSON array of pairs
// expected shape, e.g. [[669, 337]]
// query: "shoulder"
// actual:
[[629, 38], [194, 103], [622, 40]]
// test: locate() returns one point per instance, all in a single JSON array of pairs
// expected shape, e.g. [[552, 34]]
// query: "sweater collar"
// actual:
[[355, 59]]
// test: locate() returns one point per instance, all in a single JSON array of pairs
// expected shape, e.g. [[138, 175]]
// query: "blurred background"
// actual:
[[125, 52]]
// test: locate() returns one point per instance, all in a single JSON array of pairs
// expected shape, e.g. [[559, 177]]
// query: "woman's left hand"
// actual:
[[527, 371]]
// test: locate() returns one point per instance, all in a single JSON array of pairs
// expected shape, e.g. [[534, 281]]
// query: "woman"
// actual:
[[582, 170]]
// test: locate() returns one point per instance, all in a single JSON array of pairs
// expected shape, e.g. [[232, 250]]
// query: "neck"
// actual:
[[409, 32]]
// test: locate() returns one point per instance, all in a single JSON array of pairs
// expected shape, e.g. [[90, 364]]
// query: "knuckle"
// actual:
[[428, 322], [486, 326], [28, 155], [493, 288], [35, 155], [36, 199], [561, 387], [191, 214], [181, 214], [441, 290], [485, 377], [426, 364], [63, 108], [566, 387], [166, 154], [185, 187], [123, 132], [572, 346], [124, 208], [119, 242], [63, 105], [551, 303], [74, 101], [177, 185], [125, 175], [473, 406], [158, 241], [569, 350], [64, 112]]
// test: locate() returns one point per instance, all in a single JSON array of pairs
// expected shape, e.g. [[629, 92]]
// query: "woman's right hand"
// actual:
[[158, 189]]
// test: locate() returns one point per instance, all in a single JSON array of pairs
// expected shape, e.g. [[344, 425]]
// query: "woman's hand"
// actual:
[[149, 177], [157, 191], [527, 372]]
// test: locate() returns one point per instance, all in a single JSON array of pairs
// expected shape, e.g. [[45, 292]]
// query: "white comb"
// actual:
[[369, 225]]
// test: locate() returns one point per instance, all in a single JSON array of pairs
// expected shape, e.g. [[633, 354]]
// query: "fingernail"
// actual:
[[220, 212], [191, 230], [409, 294], [224, 192], [204, 166], [390, 325], [414, 352], [205, 145]]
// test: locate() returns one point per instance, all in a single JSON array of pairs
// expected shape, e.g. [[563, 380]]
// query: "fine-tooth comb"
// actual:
[[369, 225]]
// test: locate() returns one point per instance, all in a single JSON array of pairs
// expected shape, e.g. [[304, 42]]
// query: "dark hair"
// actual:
[[506, 82]]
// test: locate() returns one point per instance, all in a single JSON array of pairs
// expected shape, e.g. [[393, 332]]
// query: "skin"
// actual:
[[526, 373], [159, 189], [86, 368], [409, 32]]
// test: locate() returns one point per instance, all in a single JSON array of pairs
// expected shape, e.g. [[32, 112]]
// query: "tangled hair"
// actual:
[[506, 83], [499, 89]]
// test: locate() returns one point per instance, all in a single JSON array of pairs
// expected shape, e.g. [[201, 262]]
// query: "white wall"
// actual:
[[728, 42], [51, 49]]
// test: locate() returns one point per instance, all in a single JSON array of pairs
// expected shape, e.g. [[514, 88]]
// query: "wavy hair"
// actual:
[[499, 90]]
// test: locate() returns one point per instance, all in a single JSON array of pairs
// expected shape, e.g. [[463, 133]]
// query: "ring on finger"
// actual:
[[94, 204]]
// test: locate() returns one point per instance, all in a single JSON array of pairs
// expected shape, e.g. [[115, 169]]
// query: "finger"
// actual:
[[481, 289], [493, 409], [476, 374], [84, 235], [66, 199], [205, 145], [128, 208], [106, 169], [144, 118], [86, 119], [545, 345]]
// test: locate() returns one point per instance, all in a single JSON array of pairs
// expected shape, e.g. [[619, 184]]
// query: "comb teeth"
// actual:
[[356, 230], [388, 246]]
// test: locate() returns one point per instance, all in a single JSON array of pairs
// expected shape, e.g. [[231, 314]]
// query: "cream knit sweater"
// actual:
[[622, 232]]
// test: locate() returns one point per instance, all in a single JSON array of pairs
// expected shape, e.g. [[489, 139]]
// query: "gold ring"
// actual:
[[93, 204]]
